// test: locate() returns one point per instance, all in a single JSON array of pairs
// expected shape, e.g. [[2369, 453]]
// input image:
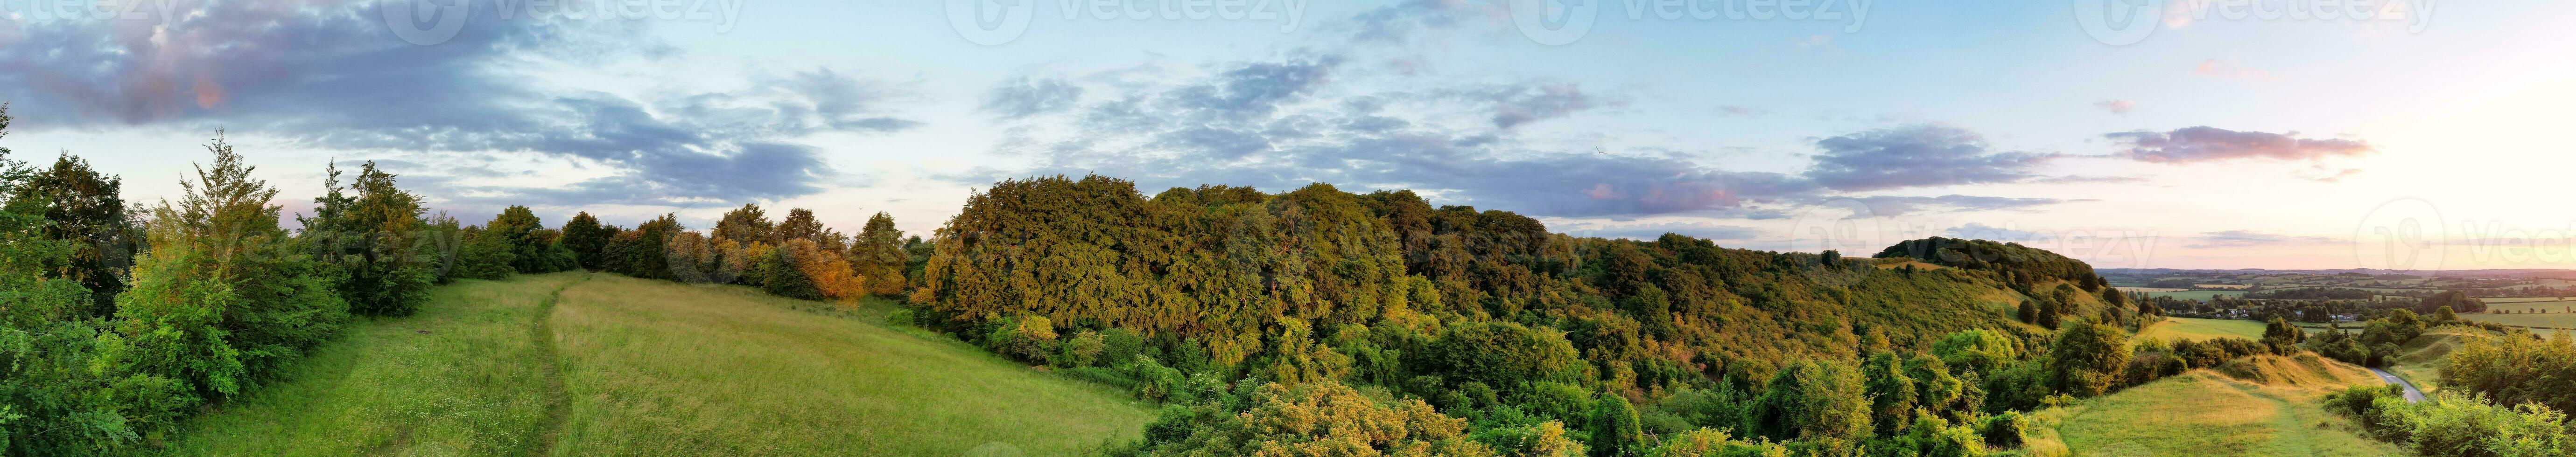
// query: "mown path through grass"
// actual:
[[558, 406]]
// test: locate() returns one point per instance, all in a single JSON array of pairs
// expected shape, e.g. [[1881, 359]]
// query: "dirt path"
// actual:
[[2412, 395]]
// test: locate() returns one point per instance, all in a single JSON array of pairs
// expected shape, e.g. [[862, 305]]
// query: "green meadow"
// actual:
[[2259, 406], [598, 364]]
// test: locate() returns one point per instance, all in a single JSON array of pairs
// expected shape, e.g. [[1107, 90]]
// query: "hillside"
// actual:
[[2259, 406], [597, 364]]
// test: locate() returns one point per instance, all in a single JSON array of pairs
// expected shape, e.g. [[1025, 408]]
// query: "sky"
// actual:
[[2310, 134]]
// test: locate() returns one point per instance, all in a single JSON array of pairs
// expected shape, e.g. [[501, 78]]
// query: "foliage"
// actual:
[[2088, 357], [1615, 432], [878, 257], [587, 240], [1325, 418], [373, 241]]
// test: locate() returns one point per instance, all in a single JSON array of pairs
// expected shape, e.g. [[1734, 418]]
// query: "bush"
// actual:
[[1029, 338], [1082, 350], [900, 318], [2006, 431]]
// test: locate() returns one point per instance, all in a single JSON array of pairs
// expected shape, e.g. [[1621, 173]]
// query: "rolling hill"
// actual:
[[598, 364]]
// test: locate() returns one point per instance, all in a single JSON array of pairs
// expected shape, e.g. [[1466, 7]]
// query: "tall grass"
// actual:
[[659, 368], [461, 378], [621, 366]]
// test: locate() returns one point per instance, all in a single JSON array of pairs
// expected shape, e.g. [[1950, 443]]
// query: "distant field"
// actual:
[[2221, 286], [2556, 306], [2202, 295], [2559, 320], [2183, 328], [655, 368], [2205, 413], [2149, 289], [2498, 300]]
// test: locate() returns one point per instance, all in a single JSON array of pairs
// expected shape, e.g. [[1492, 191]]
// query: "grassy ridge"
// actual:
[[460, 378], [635, 367], [2205, 412], [669, 369]]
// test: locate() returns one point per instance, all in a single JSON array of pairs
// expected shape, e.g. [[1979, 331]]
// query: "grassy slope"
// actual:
[[662, 368], [460, 378], [2183, 328], [2205, 412], [653, 368], [2420, 361]]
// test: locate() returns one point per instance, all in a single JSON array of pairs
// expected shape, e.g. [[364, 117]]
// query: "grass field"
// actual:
[[2550, 306], [2205, 412], [2184, 328], [2202, 295], [620, 366], [2558, 320]]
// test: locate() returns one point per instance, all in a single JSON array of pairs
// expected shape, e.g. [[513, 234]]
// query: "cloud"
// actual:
[[1026, 97], [1526, 104], [1648, 230], [2224, 69], [2116, 106], [1918, 156], [1895, 206], [2210, 144], [1981, 231], [2247, 239], [1741, 111], [329, 74]]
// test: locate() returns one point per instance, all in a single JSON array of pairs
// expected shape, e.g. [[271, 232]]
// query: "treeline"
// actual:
[[1240, 309], [117, 322]]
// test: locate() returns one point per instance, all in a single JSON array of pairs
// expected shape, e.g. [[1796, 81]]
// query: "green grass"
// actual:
[[667, 369], [463, 377], [2184, 328], [2206, 413], [2558, 320], [624, 366], [2201, 295]]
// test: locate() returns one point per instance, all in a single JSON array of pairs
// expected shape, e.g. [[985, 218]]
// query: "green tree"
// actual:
[[1615, 432], [225, 296], [84, 210], [2088, 357], [745, 225], [1813, 400], [518, 229], [373, 241], [878, 255], [587, 239]]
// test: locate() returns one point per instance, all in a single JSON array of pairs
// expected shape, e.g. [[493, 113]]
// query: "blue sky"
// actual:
[[2209, 134]]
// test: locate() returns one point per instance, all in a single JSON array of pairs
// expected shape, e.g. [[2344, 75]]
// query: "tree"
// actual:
[[1615, 432], [587, 239], [1313, 419], [2444, 314], [1820, 401], [783, 278], [224, 296], [518, 229], [84, 211], [2283, 337], [373, 241], [2088, 357], [800, 225], [878, 256], [1893, 395], [1501, 354], [746, 225]]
